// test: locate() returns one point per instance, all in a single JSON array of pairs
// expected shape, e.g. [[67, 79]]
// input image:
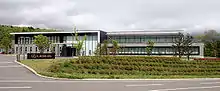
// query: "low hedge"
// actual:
[[135, 65]]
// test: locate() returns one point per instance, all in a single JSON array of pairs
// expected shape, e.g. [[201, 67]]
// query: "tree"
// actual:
[[79, 44], [188, 45], [210, 37], [102, 49], [42, 42], [6, 43], [98, 50], [115, 47], [178, 45], [5, 39], [183, 45], [150, 46], [218, 43]]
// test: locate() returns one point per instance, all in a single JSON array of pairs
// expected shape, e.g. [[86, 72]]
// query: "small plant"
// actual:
[[79, 44], [115, 47], [55, 67], [150, 46]]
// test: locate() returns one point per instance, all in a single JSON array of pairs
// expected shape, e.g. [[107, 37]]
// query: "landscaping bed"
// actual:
[[121, 67]]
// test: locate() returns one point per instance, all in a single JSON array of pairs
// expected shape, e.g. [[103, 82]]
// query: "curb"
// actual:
[[53, 78]]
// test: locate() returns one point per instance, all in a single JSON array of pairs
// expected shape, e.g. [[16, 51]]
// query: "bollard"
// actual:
[[18, 57]]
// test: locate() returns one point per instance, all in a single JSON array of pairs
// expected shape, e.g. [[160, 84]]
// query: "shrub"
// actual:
[[55, 67], [135, 65]]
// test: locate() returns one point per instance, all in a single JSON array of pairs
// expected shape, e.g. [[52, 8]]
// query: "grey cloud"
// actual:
[[109, 15]]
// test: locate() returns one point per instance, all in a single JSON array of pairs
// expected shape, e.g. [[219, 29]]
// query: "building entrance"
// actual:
[[68, 51]]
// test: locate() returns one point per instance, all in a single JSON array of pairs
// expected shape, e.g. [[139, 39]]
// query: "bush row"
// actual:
[[140, 60], [116, 65], [151, 64], [118, 72], [140, 68]]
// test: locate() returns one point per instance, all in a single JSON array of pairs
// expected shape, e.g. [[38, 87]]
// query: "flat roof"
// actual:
[[133, 32], [84, 31], [143, 32]]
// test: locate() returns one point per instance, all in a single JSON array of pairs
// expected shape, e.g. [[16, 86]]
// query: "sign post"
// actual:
[[41, 56]]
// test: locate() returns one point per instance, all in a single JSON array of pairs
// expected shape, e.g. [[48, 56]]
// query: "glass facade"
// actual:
[[130, 44], [155, 51], [30, 40], [143, 39]]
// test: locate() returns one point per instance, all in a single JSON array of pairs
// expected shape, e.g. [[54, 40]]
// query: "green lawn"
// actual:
[[38, 65], [68, 69]]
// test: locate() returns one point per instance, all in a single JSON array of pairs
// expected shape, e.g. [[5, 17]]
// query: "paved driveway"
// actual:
[[14, 77]]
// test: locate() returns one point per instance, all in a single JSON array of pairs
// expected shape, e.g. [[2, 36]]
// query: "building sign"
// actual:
[[41, 56]]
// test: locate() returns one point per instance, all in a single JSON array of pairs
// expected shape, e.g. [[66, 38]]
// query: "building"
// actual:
[[23, 42], [130, 42], [135, 42]]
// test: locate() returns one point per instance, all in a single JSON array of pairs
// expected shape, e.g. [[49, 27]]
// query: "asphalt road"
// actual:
[[14, 77]]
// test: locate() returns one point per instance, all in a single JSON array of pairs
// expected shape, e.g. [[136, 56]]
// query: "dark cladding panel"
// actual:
[[103, 36], [16, 39], [61, 39]]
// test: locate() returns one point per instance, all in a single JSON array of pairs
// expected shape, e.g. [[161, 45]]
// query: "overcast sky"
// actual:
[[109, 15]]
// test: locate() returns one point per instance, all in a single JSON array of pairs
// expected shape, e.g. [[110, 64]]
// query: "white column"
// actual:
[[201, 49]]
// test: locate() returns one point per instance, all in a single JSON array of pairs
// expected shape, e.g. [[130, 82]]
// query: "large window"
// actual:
[[53, 38], [123, 40], [162, 39], [95, 38], [130, 39], [19, 40], [137, 39], [169, 51], [50, 38], [31, 40], [143, 39], [64, 39], [151, 38], [155, 51], [22, 40], [195, 50], [169, 39], [26, 40], [158, 39]]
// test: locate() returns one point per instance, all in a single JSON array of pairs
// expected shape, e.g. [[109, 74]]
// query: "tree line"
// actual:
[[6, 38], [211, 40]]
